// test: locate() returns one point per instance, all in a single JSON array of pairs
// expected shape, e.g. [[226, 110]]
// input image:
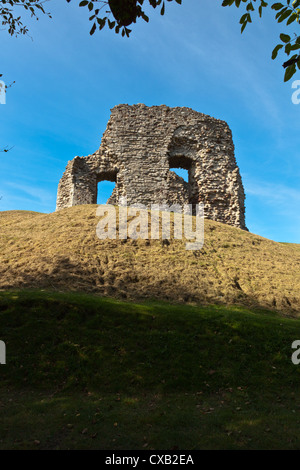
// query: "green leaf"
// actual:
[[243, 18], [292, 18], [275, 51], [287, 48], [227, 3], [93, 29], [277, 6], [284, 16], [290, 71], [285, 37], [295, 47], [243, 27]]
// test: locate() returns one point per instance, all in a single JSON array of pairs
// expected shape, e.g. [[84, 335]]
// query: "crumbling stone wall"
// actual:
[[138, 148]]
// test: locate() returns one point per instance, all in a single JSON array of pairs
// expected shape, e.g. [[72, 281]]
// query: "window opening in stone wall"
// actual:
[[181, 172], [181, 165], [105, 186], [104, 191], [185, 168]]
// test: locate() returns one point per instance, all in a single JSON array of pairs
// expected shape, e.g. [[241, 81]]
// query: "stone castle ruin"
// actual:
[[139, 147]]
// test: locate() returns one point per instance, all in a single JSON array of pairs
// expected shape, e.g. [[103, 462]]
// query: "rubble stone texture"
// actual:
[[138, 148]]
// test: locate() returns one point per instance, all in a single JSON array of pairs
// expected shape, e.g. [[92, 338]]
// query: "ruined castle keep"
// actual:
[[138, 148]]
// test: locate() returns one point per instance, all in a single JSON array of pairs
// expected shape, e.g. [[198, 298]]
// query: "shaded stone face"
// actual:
[[138, 148]]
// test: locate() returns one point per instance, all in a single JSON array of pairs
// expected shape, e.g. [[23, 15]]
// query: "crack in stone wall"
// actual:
[[138, 148]]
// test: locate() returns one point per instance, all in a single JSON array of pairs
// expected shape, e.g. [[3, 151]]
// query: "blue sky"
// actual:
[[194, 56]]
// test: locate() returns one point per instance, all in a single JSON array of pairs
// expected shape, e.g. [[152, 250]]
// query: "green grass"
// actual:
[[89, 372]]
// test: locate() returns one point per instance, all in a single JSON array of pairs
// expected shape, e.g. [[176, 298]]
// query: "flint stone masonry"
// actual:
[[138, 148]]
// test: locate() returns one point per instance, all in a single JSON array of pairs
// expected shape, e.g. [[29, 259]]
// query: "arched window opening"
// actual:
[[106, 183], [185, 168], [181, 165], [104, 191]]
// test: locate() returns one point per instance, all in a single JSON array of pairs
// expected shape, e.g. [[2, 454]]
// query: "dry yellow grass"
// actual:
[[61, 251]]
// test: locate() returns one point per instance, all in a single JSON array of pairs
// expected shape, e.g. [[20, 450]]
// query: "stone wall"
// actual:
[[138, 148]]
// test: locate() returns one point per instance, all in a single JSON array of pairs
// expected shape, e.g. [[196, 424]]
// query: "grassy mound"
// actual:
[[89, 372], [61, 251]]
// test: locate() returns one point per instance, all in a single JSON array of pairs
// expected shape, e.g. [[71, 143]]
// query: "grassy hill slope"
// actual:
[[61, 251], [85, 372]]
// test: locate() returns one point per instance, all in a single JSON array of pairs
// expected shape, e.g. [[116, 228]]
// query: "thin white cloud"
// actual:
[[40, 195], [285, 199]]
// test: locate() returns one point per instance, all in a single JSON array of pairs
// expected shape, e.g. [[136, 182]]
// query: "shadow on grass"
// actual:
[[89, 372]]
